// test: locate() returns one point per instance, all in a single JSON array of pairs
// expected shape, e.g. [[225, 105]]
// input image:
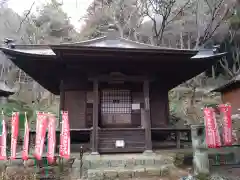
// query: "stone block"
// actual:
[[108, 163], [75, 172], [96, 164], [149, 162], [95, 175], [15, 162], [168, 161], [130, 163], [139, 173], [87, 164], [165, 170], [152, 171], [139, 162], [92, 157], [76, 163], [116, 163], [110, 175], [159, 162], [124, 174]]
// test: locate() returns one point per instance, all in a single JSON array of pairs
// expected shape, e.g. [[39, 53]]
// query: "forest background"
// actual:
[[183, 24]]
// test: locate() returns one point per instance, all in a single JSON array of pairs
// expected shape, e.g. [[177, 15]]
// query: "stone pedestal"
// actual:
[[200, 150]]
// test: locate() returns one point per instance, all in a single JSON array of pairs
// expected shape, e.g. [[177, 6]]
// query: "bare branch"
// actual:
[[179, 12], [26, 16], [210, 33], [225, 66]]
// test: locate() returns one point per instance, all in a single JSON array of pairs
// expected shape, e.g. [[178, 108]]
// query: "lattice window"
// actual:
[[116, 101]]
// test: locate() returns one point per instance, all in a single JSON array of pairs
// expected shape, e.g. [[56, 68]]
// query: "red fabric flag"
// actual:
[[65, 136], [26, 140], [40, 134], [216, 130], [14, 135], [227, 124], [3, 138], [51, 137], [211, 129]]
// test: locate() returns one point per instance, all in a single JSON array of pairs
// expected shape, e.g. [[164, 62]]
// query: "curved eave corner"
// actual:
[[202, 56], [31, 53], [227, 86]]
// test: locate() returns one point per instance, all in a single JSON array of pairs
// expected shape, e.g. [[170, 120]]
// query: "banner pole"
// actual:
[[46, 172], [35, 159]]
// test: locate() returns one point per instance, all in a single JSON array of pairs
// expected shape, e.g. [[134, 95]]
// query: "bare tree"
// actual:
[[233, 69], [231, 63], [188, 21], [124, 14]]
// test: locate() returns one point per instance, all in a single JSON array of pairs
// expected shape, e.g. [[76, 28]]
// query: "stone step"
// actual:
[[95, 162], [124, 173], [125, 163]]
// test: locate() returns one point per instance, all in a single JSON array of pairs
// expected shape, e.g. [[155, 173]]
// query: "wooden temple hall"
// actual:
[[115, 90]]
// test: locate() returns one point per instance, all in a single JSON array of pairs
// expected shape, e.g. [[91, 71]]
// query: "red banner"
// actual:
[[65, 136], [14, 135], [3, 154], [227, 124], [211, 129], [40, 134], [51, 137], [26, 140], [216, 131]]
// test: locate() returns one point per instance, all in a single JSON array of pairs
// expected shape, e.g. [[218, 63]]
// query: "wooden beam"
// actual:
[[94, 140], [148, 136], [121, 77]]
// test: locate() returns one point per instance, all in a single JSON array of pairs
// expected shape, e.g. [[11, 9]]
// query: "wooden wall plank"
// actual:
[[75, 104]]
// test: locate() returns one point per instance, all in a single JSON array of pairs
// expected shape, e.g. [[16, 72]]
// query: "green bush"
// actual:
[[202, 176], [179, 159]]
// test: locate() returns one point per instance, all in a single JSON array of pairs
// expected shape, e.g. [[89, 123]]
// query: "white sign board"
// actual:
[[120, 143], [135, 106]]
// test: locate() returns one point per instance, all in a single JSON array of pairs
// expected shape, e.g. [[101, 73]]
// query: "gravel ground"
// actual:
[[220, 174]]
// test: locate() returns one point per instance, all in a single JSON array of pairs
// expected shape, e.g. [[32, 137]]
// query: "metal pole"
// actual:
[[81, 160]]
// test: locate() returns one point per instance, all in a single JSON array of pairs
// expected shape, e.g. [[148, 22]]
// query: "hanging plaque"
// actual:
[[120, 144]]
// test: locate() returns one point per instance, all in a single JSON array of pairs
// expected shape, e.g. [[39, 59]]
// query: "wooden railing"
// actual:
[[134, 139]]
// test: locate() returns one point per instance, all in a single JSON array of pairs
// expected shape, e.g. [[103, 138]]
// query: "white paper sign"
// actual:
[[135, 106], [120, 143]]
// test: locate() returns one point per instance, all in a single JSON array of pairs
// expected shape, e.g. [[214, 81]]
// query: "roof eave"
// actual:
[[137, 53], [14, 52], [224, 87], [211, 56]]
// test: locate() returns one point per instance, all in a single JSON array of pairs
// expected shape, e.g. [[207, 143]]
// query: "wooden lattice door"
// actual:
[[116, 107]]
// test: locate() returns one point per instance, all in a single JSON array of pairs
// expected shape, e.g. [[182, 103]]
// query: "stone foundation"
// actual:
[[97, 167], [124, 166]]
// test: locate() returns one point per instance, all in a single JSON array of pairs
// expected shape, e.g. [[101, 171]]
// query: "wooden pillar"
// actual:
[[178, 139], [148, 136], [95, 118], [61, 108]]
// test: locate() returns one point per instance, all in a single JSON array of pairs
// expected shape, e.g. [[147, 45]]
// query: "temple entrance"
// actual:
[[116, 108]]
